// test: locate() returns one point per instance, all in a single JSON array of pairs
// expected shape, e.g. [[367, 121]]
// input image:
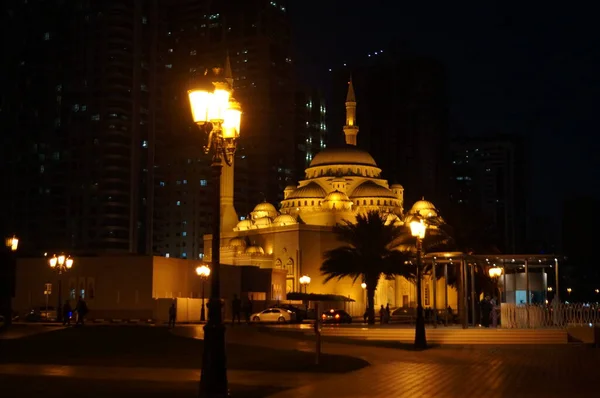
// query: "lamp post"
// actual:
[[7, 281], [495, 273], [418, 229], [219, 116], [203, 272], [305, 281], [60, 264]]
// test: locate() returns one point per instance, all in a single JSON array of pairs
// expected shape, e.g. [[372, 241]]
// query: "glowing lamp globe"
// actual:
[[305, 280], [232, 121], [12, 243], [363, 285], [418, 228], [495, 272], [69, 262], [203, 271], [53, 261]]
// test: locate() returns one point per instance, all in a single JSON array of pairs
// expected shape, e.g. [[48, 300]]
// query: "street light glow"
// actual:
[[203, 271], [418, 228], [12, 243], [363, 285], [496, 272]]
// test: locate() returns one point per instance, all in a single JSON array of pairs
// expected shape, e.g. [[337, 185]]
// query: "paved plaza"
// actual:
[[446, 371]]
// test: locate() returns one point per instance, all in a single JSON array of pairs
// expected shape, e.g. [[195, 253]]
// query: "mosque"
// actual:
[[339, 184]]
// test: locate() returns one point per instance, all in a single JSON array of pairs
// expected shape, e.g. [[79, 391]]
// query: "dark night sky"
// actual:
[[526, 67]]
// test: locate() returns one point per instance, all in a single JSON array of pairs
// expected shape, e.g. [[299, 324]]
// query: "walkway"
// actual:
[[467, 371], [20, 330]]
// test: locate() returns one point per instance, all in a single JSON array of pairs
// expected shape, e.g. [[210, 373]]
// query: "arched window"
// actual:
[[371, 202], [306, 203], [278, 263], [312, 202], [378, 202], [289, 266]]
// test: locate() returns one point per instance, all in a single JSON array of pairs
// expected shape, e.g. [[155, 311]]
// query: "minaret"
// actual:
[[229, 217], [351, 129]]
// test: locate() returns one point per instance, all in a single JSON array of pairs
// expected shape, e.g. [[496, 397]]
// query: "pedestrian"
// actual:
[[172, 315], [486, 309], [82, 310], [67, 313], [236, 309], [382, 315], [388, 314], [248, 309], [494, 312]]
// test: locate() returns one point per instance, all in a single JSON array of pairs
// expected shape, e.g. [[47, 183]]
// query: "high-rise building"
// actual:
[[403, 107], [256, 36], [80, 98], [310, 130], [488, 191]]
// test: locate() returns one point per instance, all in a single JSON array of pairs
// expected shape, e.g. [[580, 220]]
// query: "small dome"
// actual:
[[284, 219], [337, 200], [337, 196], [310, 190], [371, 190], [262, 222], [396, 186], [347, 154], [290, 188], [245, 225], [264, 209], [237, 242], [424, 208], [254, 249]]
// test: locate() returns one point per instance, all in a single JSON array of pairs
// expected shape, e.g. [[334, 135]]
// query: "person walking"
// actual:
[[248, 309], [236, 309], [67, 313], [81, 310], [382, 315], [172, 315], [388, 314]]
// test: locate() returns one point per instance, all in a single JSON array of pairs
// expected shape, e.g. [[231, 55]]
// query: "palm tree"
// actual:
[[367, 255]]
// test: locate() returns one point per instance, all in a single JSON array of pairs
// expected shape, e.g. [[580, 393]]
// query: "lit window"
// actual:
[[75, 107], [193, 52], [170, 50], [203, 183], [185, 181], [200, 255], [179, 203], [144, 19], [184, 234], [162, 184], [167, 255], [178, 182], [168, 66], [41, 169], [144, 144], [184, 255], [47, 36], [83, 108], [96, 117]]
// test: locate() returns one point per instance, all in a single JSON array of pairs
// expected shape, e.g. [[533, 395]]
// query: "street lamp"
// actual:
[[305, 281], [8, 280], [203, 272], [550, 288], [12, 243], [219, 116], [569, 290], [418, 229], [61, 263]]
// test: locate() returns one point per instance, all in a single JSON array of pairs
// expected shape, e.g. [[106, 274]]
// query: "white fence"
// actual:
[[548, 316]]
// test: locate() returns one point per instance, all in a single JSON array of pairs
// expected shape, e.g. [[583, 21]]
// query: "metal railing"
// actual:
[[561, 315]]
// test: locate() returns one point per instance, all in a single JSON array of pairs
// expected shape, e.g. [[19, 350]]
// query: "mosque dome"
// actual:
[[424, 208], [245, 225], [311, 190], [264, 209], [347, 154], [337, 200], [262, 222], [237, 242], [371, 190], [284, 219], [254, 249]]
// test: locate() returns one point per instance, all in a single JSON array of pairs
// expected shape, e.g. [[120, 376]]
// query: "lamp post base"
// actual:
[[420, 337], [213, 380]]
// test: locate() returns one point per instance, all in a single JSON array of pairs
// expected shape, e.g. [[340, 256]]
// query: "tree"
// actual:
[[368, 253]]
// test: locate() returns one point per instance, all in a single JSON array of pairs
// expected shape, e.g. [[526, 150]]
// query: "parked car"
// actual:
[[299, 312], [40, 314], [280, 315], [403, 315], [336, 316]]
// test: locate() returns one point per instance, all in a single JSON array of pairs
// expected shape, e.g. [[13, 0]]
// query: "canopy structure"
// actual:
[[318, 297], [512, 264]]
